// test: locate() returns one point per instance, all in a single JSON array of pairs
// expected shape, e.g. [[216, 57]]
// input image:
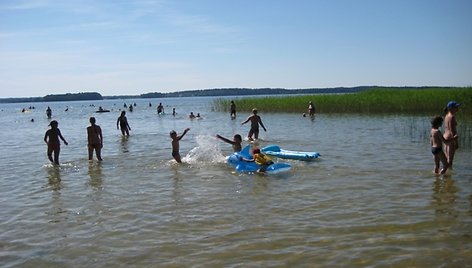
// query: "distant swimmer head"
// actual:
[[254, 111], [53, 123], [92, 120], [173, 133], [123, 112]]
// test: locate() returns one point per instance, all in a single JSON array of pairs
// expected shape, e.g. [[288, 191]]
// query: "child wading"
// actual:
[[437, 141], [175, 144], [51, 138]]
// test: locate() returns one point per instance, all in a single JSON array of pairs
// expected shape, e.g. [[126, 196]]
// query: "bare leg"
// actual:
[[56, 156], [98, 151], [90, 152], [441, 156], [436, 163], [50, 154]]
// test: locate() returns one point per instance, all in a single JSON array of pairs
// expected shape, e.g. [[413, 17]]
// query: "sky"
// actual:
[[130, 47]]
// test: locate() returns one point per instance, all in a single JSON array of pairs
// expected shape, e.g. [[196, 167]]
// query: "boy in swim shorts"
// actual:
[[175, 144], [255, 122]]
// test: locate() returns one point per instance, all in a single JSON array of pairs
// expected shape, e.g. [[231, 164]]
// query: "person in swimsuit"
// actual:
[[311, 109], [261, 159], [160, 108], [236, 142], [51, 138], [232, 110], [49, 112], [122, 121], [437, 141], [450, 131], [175, 144], [95, 139], [255, 122]]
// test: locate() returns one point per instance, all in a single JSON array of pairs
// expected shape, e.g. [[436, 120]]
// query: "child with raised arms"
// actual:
[[176, 145]]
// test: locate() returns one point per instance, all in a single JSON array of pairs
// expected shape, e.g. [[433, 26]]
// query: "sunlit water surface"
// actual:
[[370, 200]]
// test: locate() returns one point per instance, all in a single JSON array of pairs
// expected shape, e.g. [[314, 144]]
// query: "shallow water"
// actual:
[[370, 200]]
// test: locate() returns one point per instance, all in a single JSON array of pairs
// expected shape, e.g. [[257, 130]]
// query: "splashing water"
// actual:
[[207, 151]]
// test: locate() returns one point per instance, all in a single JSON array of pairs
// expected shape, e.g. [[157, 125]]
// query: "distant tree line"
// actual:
[[204, 93], [57, 97]]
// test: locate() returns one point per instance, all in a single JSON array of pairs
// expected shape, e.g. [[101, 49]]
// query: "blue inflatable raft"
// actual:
[[274, 150], [244, 166]]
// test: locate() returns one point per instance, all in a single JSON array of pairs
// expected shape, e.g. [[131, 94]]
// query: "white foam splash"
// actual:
[[207, 151]]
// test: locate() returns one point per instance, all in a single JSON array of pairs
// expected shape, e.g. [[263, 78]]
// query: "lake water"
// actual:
[[371, 200]]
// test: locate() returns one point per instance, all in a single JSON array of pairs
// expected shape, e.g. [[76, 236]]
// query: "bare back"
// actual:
[[94, 134]]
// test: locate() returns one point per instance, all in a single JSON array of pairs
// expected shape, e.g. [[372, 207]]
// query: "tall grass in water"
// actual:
[[374, 100]]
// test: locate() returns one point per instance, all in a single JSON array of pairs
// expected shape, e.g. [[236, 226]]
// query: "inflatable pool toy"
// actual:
[[274, 150], [244, 166]]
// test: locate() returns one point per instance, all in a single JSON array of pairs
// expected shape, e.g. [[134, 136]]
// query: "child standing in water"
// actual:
[[175, 144], [122, 121], [51, 138], [255, 122], [95, 140], [236, 142], [437, 141]]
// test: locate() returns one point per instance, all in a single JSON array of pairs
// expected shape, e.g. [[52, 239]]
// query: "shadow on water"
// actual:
[[124, 144], [445, 196], [54, 178], [95, 174]]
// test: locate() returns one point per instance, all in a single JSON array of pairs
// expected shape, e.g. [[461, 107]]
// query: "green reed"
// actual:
[[375, 100]]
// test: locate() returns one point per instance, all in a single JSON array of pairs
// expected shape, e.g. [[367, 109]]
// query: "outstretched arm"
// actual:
[[225, 139], [183, 134], [247, 120]]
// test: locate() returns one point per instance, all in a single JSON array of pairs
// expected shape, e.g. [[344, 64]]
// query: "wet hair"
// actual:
[[238, 137], [123, 112], [437, 121], [172, 133], [92, 120]]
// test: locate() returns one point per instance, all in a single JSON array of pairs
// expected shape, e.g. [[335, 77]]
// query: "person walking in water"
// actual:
[[49, 112], [232, 110], [176, 145], [95, 140], [437, 141], [255, 122], [51, 138], [450, 131], [311, 109], [160, 108], [122, 121]]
